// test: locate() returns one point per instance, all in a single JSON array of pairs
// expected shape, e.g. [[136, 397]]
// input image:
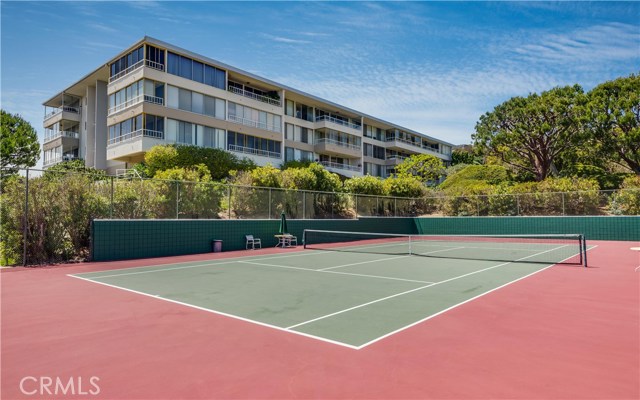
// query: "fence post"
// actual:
[[356, 202], [563, 213], [111, 200], [377, 206], [229, 199], [518, 204], [25, 231], [177, 201], [304, 205], [269, 203]]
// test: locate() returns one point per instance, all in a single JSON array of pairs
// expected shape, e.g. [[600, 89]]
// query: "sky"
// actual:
[[434, 67]]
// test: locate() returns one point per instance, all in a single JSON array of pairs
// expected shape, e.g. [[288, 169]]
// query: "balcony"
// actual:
[[337, 147], [139, 64], [51, 135], [395, 160], [135, 134], [62, 113], [403, 144], [136, 100], [342, 169], [59, 159], [326, 121], [252, 151], [254, 124], [254, 96]]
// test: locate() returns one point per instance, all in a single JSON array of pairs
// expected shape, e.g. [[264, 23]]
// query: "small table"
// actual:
[[284, 240]]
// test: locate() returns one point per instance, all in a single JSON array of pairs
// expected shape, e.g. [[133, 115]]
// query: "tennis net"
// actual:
[[551, 249]]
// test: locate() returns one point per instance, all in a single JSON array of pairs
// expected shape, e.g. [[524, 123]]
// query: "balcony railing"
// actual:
[[59, 159], [134, 67], [397, 158], [56, 111], [346, 167], [136, 100], [255, 124], [135, 134], [50, 134], [254, 96], [338, 121], [339, 143], [409, 142], [250, 150]]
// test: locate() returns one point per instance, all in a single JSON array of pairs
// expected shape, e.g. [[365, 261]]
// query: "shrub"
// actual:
[[365, 185], [491, 174], [627, 200]]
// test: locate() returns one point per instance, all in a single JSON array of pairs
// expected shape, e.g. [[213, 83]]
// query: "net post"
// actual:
[[584, 249], [25, 229], [304, 239]]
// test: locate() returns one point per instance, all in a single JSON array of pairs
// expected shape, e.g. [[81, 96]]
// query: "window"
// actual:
[[288, 132], [197, 103], [173, 63], [289, 108], [186, 67], [198, 72], [184, 99], [154, 54], [128, 60]]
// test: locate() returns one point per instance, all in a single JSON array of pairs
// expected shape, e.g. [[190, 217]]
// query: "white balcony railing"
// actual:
[[50, 134], [339, 143], [346, 167], [338, 121], [250, 150], [59, 159], [134, 67], [254, 96], [56, 111], [136, 100], [409, 142], [135, 134], [255, 124], [396, 158]]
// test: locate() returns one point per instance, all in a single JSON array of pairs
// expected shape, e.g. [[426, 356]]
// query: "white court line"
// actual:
[[364, 262], [219, 313], [358, 306], [334, 272], [420, 288], [222, 261], [461, 303]]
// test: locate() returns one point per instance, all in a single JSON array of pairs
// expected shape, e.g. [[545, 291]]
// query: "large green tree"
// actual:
[[19, 147], [424, 167], [614, 120], [531, 133]]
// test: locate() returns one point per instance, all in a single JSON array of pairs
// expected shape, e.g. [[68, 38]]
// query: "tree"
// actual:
[[465, 154], [531, 133], [614, 119], [19, 147], [423, 166]]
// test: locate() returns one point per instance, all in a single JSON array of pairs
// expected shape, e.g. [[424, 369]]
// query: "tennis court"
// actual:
[[350, 289]]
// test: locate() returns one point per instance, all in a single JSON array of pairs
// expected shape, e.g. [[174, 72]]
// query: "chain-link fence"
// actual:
[[46, 216]]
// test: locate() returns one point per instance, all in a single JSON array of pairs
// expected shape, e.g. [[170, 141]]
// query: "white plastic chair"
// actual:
[[250, 240]]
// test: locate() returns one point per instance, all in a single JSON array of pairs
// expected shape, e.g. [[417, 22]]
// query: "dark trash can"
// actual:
[[216, 246]]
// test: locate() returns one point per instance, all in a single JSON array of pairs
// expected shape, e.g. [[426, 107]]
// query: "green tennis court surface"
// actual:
[[355, 294]]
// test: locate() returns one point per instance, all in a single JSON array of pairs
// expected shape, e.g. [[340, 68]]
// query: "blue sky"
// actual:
[[432, 67]]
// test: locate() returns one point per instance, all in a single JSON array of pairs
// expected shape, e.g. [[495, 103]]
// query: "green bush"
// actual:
[[491, 174], [627, 200], [365, 185]]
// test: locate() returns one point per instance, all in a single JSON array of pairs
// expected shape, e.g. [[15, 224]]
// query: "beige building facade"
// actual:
[[155, 93]]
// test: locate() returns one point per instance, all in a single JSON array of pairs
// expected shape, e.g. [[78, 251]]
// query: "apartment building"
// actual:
[[156, 93]]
